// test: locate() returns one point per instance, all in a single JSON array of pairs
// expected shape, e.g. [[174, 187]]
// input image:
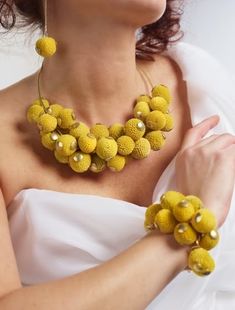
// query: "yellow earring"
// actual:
[[46, 46]]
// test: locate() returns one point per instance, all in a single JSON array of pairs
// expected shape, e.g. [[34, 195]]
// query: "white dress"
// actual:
[[57, 234]]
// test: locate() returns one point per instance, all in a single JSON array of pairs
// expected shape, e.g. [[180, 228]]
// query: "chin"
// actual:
[[140, 12]]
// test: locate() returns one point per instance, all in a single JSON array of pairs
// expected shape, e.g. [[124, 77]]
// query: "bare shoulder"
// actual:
[[13, 104]]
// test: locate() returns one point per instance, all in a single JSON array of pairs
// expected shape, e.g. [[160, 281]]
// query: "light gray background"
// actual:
[[209, 24]]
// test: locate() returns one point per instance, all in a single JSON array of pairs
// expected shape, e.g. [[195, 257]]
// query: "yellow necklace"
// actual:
[[94, 149]]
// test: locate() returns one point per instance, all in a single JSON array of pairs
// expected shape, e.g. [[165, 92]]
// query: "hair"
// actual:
[[154, 38]]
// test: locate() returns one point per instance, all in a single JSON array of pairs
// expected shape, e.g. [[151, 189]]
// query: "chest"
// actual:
[[36, 167]]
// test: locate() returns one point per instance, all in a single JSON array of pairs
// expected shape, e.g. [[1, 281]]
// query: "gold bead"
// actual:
[[213, 234], [54, 136]]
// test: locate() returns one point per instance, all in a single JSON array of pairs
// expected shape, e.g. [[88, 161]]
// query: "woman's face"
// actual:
[[135, 12]]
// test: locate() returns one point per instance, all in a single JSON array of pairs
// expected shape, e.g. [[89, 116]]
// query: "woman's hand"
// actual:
[[206, 167]]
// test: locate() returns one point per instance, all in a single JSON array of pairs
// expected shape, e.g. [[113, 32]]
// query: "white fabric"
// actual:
[[58, 234]]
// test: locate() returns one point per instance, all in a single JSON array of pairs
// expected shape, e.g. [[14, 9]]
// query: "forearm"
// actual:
[[129, 280]]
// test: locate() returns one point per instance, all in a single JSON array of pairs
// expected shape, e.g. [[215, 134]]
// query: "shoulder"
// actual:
[[13, 106], [199, 65], [207, 81]]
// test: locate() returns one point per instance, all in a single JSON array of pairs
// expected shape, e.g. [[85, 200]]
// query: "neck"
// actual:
[[94, 71]]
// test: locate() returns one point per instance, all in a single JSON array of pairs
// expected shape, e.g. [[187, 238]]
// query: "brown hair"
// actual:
[[154, 38]]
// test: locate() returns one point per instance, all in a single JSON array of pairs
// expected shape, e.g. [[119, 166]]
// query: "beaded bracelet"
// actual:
[[191, 224]]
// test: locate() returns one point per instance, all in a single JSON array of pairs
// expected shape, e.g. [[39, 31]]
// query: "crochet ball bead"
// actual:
[[141, 110], [78, 129], [183, 211], [43, 102], [210, 240], [46, 46], [49, 139], [54, 109], [47, 123], [156, 139], [97, 164], [162, 91], [134, 128], [169, 123], [66, 118], [60, 158], [66, 145], [170, 198], [195, 201], [87, 143], [150, 214], [142, 149], [116, 130], [99, 130], [106, 148], [144, 98], [34, 112], [159, 103], [204, 221], [200, 262], [80, 162], [184, 234], [165, 221], [116, 163], [125, 145], [156, 120]]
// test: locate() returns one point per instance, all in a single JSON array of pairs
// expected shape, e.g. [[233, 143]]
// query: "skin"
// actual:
[[88, 73]]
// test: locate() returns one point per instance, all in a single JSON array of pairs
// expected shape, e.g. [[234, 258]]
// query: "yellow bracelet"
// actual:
[[190, 223]]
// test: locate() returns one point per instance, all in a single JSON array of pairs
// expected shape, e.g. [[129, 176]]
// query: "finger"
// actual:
[[221, 142], [207, 140], [197, 132]]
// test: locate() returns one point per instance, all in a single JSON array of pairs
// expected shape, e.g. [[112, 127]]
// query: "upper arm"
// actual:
[[9, 275]]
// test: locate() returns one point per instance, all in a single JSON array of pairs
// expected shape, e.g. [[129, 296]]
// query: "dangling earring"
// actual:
[[45, 46]]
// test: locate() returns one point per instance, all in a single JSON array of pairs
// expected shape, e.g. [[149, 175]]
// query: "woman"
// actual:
[[77, 241]]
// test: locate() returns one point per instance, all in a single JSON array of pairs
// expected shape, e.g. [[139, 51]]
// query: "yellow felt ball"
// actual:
[[144, 98], [60, 158], [165, 221], [87, 143], [204, 221], [106, 148], [156, 120], [170, 198], [116, 163], [183, 211], [116, 130], [80, 162], [210, 240], [141, 110], [47, 123], [42, 102], [49, 139], [78, 129], [150, 214], [66, 145], [159, 103], [97, 164], [134, 128], [125, 145], [156, 139], [99, 130], [195, 201], [184, 234], [54, 109], [46, 46], [162, 91], [169, 122], [34, 112], [200, 262], [66, 118], [142, 149]]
